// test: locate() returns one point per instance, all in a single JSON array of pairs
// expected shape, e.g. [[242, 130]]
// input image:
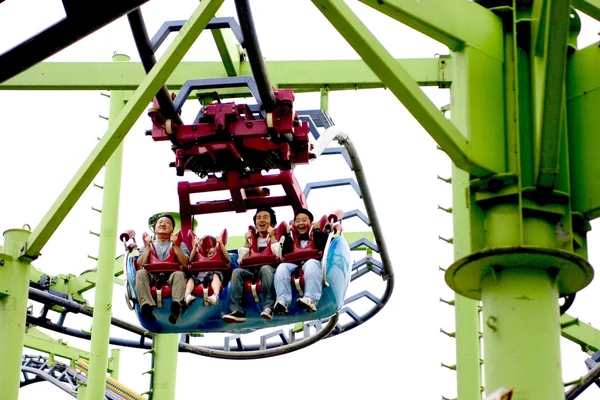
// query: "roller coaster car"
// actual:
[[199, 318], [230, 137]]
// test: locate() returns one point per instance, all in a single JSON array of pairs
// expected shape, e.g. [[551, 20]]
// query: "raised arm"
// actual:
[[143, 258], [223, 249], [180, 253]]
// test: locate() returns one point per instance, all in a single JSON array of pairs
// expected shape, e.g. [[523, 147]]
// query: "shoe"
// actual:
[[280, 307], [175, 312], [267, 313], [236, 316], [189, 299], [148, 313], [212, 300], [306, 303]]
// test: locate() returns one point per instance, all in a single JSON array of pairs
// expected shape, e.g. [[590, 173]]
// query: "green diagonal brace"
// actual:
[[589, 7], [228, 49], [550, 67], [116, 133], [445, 21], [400, 83]]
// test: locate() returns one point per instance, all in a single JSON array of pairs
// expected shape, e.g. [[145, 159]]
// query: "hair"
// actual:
[[161, 216], [270, 211], [304, 211]]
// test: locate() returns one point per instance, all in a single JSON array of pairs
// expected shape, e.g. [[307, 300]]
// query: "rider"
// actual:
[[303, 220], [165, 245], [264, 221]]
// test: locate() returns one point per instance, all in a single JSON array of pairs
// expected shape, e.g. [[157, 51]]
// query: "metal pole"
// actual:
[[166, 347], [14, 274], [522, 333], [108, 247], [466, 317]]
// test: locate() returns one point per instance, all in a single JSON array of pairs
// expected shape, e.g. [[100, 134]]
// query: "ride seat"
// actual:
[[168, 265], [202, 262]]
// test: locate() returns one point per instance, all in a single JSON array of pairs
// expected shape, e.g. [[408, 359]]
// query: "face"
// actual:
[[164, 226], [263, 222], [211, 252], [302, 223]]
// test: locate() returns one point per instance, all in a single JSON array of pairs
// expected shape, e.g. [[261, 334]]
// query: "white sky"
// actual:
[[47, 135]]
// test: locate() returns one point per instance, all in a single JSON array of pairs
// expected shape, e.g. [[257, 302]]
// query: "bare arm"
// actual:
[[223, 249], [181, 258]]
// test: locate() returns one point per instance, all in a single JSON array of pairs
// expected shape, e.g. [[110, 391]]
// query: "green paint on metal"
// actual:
[[123, 123], [549, 82], [115, 361], [478, 84], [580, 332], [38, 340], [166, 347], [13, 311], [572, 273], [583, 103], [324, 99], [468, 370], [443, 20], [229, 49], [589, 7], [107, 248], [302, 76], [450, 139], [521, 332]]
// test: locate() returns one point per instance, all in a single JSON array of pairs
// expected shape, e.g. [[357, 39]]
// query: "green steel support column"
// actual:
[[522, 334], [14, 273], [166, 347], [149, 86], [589, 7], [468, 369], [325, 99], [108, 247]]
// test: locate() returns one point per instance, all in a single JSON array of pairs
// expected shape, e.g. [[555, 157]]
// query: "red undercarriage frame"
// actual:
[[231, 142]]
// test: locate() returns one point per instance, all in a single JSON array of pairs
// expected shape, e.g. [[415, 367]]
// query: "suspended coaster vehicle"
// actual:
[[229, 146]]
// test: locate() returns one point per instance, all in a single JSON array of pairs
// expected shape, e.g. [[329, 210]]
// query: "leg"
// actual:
[[236, 304], [216, 284], [313, 285], [266, 277], [283, 274], [142, 288], [238, 277], [189, 286], [177, 282]]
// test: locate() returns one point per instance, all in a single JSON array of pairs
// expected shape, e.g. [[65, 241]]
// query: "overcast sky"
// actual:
[[47, 135]]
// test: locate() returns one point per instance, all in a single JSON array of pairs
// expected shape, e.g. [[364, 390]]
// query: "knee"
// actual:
[[266, 271], [312, 267], [236, 274]]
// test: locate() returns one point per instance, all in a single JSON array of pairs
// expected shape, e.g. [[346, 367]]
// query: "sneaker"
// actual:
[[236, 316], [308, 304], [148, 313], [175, 312], [267, 313], [212, 300], [280, 307], [189, 299]]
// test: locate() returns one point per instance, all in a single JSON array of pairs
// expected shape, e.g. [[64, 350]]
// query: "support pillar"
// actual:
[[522, 333], [108, 247], [166, 348], [14, 282]]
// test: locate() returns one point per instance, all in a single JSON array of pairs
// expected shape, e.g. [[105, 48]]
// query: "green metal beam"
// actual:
[[589, 7], [116, 132], [550, 67], [229, 49], [450, 139], [580, 332], [445, 21], [299, 75], [38, 340]]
